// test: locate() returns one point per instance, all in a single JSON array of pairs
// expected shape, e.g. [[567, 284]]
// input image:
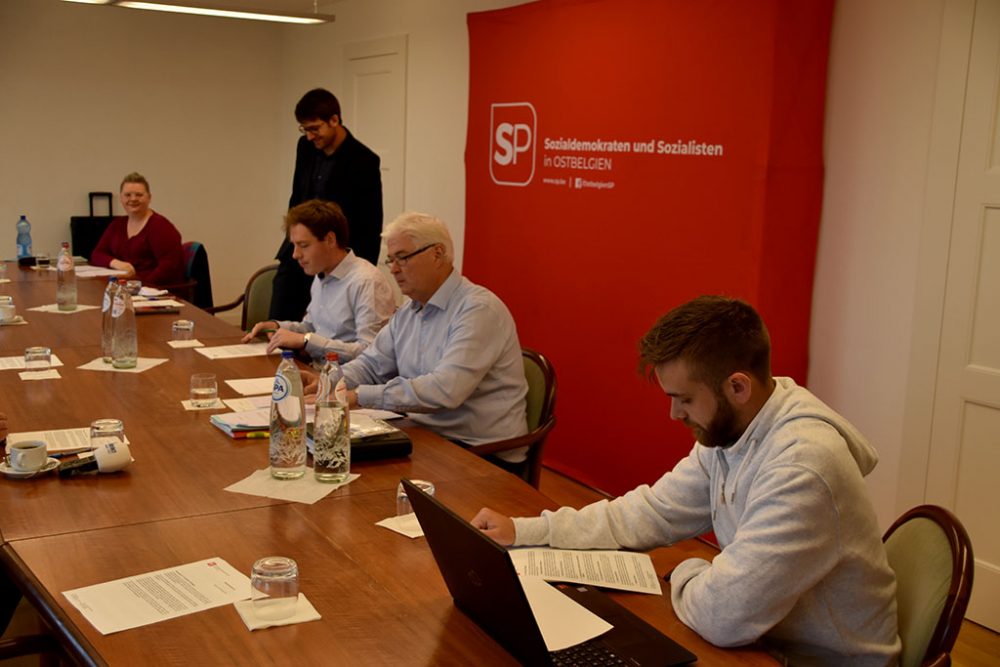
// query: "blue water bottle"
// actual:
[[23, 238]]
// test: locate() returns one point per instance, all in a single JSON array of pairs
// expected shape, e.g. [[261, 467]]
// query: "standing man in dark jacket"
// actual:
[[330, 164]]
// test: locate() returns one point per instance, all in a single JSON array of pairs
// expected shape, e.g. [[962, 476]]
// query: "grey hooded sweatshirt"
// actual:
[[802, 565]]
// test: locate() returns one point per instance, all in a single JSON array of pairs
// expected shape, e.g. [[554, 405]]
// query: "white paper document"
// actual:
[[234, 351], [54, 308], [624, 570], [562, 621], [157, 596], [12, 363], [141, 364], [305, 489], [248, 404], [250, 386], [88, 271], [61, 441]]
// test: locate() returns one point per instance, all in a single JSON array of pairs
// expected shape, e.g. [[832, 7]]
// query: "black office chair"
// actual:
[[197, 285]]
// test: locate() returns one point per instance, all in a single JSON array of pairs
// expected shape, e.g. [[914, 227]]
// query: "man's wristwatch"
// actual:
[[305, 339]]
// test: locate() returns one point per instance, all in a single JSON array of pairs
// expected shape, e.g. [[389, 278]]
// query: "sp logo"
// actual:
[[512, 143]]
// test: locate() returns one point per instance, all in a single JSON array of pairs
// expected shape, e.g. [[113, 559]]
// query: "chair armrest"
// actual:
[[515, 443], [226, 306]]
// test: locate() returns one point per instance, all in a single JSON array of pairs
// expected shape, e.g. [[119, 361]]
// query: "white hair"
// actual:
[[423, 230]]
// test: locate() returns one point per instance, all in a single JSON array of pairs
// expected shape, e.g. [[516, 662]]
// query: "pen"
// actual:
[[251, 435]]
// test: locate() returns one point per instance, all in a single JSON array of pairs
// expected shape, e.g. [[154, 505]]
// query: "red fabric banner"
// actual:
[[624, 156]]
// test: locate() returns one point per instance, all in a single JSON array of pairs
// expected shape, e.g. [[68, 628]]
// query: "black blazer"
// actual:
[[355, 184]]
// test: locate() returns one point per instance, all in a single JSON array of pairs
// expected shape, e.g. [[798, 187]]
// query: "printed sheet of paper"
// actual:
[[235, 351], [88, 271], [62, 441], [624, 570], [157, 596]]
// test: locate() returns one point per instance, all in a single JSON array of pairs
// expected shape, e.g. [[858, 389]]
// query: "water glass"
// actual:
[[133, 287], [274, 587], [183, 330], [107, 431], [43, 261], [3, 269], [403, 503], [8, 312], [204, 390], [37, 358]]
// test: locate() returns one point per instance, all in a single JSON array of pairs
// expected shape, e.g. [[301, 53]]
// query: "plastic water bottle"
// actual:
[[106, 321], [331, 430], [65, 279], [288, 421], [23, 237], [124, 346]]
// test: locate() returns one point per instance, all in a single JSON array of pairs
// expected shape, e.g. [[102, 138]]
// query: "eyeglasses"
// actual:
[[401, 260], [311, 129]]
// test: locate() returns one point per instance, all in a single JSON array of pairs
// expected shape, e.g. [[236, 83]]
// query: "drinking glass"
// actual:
[[274, 587], [133, 287], [204, 390], [104, 431], [403, 503], [183, 330], [37, 358], [43, 261], [3, 269]]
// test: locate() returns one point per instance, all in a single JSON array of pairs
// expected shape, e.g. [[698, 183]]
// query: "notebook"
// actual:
[[484, 585]]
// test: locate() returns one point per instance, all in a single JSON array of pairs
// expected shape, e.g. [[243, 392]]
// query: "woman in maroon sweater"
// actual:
[[144, 244]]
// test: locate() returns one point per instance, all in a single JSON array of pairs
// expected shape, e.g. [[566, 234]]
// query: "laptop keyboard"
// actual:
[[587, 653]]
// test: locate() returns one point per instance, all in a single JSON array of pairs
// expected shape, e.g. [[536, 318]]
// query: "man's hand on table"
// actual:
[[497, 526]]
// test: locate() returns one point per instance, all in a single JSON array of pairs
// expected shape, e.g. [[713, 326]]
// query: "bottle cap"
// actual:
[[332, 356], [286, 354]]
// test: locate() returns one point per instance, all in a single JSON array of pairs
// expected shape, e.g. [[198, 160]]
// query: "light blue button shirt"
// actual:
[[348, 307], [454, 365]]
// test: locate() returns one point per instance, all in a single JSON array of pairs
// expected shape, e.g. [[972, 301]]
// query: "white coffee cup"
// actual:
[[27, 456], [7, 312], [112, 456]]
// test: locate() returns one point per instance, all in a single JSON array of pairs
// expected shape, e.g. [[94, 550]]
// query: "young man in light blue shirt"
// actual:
[[351, 300]]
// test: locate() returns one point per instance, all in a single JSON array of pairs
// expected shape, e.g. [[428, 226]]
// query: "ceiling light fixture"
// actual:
[[280, 17]]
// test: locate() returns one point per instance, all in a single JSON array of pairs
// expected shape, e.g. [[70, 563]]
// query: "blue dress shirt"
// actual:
[[349, 306], [454, 365]]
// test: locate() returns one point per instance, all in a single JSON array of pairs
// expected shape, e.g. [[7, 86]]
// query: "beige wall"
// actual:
[[205, 112]]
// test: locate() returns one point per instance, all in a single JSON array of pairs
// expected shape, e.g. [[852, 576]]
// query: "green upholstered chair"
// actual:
[[256, 298], [541, 404], [931, 554]]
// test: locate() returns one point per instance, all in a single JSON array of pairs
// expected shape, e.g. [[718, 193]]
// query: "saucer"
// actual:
[[50, 465], [17, 320]]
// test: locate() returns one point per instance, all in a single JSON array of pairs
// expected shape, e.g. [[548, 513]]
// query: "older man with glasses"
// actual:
[[449, 358]]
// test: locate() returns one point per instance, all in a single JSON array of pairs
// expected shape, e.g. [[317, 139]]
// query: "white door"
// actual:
[[374, 104], [964, 461]]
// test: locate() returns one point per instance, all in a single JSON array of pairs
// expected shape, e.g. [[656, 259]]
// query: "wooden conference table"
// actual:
[[380, 594]]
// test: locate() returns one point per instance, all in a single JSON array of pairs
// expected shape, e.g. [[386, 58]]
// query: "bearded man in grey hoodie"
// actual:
[[776, 474]]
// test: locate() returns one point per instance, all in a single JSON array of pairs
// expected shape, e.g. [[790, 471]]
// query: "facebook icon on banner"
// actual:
[[512, 143]]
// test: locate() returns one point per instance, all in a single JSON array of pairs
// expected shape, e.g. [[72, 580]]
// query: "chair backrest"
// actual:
[[931, 555], [541, 377], [196, 270], [257, 297]]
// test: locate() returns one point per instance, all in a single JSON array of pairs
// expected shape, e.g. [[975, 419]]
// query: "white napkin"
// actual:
[[306, 489], [304, 611], [177, 344], [404, 525], [141, 364], [218, 405], [47, 374], [54, 308]]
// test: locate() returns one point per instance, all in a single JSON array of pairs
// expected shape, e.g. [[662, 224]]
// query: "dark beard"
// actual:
[[722, 430]]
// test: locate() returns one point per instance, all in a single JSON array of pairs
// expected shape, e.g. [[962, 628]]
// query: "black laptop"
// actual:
[[484, 584]]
